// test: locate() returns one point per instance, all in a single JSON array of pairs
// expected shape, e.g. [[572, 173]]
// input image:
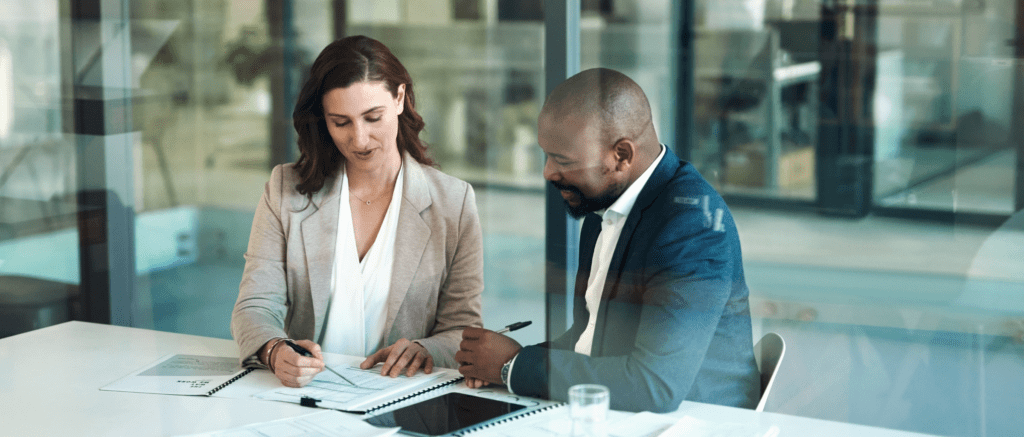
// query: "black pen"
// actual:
[[306, 353], [513, 327]]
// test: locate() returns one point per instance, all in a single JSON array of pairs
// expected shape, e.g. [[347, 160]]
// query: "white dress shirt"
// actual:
[[358, 308], [612, 220]]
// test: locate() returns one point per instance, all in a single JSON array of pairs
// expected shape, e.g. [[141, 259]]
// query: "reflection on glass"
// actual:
[[38, 237], [479, 87], [905, 324], [944, 109], [756, 90], [877, 309], [6, 91]]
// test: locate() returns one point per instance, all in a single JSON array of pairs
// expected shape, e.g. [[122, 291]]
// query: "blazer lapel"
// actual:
[[659, 178], [319, 236], [411, 238]]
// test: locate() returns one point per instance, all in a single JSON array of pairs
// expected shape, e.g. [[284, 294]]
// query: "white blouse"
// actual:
[[358, 308]]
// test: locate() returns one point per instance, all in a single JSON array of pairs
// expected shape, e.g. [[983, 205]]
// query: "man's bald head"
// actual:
[[597, 133], [610, 102]]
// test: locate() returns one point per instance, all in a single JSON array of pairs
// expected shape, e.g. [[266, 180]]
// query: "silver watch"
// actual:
[[504, 371]]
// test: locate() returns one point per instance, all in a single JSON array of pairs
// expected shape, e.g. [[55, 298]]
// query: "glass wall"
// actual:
[[856, 142], [478, 69], [835, 128], [213, 85], [38, 237], [946, 87], [215, 119], [755, 92]]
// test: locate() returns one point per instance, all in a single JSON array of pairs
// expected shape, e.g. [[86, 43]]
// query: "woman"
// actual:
[[360, 246]]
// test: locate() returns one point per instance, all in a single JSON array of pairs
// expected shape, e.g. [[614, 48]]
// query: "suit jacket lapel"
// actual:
[[655, 184], [411, 239], [319, 236]]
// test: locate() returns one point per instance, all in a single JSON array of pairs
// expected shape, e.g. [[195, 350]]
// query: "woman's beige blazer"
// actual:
[[437, 277]]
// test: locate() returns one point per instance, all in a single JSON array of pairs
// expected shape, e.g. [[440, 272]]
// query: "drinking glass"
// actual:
[[588, 408]]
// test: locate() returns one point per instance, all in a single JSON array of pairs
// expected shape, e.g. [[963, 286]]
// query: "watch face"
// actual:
[[504, 372]]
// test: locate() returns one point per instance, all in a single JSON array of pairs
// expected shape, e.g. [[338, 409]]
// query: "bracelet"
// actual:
[[265, 357], [270, 352]]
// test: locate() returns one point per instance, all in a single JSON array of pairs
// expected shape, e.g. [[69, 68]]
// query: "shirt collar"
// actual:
[[624, 204]]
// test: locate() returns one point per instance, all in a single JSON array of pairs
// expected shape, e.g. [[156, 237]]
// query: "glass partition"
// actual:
[[946, 78], [890, 320], [857, 143], [479, 78], [755, 89], [217, 117], [39, 254]]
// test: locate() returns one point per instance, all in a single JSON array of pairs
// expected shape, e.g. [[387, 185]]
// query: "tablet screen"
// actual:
[[444, 414]]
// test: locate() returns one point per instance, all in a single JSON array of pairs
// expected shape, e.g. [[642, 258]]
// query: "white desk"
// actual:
[[51, 380]]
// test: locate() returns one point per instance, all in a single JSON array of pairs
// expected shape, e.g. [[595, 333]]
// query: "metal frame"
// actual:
[[283, 89], [98, 119], [684, 68], [561, 60], [1016, 124]]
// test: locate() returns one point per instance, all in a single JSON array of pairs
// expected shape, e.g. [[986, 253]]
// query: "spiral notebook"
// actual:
[[462, 412], [362, 390], [551, 413], [180, 374]]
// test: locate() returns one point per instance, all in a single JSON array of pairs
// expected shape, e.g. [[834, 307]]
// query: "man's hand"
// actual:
[[294, 370], [403, 355], [481, 355], [475, 383]]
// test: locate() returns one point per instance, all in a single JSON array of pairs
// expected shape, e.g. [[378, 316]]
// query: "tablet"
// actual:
[[446, 414]]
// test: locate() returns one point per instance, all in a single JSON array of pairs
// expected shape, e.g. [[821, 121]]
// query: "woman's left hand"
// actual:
[[403, 355]]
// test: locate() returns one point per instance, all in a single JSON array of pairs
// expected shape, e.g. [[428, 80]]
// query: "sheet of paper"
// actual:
[[692, 426], [194, 365], [257, 381], [370, 389], [326, 423], [180, 375], [643, 424], [327, 386]]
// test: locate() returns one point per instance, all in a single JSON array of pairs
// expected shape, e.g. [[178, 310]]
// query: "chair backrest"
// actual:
[[768, 353]]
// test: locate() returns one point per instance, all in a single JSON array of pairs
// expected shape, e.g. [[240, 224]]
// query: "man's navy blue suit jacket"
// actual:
[[674, 320]]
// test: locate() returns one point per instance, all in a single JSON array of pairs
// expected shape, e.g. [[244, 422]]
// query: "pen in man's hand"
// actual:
[[306, 353], [513, 327]]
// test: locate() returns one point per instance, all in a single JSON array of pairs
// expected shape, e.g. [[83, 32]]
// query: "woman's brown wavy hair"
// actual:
[[342, 63]]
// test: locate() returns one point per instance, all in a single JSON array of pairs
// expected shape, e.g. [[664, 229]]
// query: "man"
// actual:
[[661, 312]]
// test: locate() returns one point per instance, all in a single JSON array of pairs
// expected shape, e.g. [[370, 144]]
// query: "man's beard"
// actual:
[[588, 205]]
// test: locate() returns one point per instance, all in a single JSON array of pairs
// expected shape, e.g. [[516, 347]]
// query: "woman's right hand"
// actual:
[[292, 369]]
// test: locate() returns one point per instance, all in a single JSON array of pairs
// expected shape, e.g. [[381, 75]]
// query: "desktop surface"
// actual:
[[52, 378]]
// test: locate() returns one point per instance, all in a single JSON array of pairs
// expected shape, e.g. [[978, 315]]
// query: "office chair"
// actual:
[[768, 353]]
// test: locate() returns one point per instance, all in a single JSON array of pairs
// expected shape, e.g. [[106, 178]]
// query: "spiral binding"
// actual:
[[509, 419], [412, 395], [236, 378]]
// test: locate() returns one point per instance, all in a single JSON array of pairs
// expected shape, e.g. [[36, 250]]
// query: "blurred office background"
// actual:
[[871, 151]]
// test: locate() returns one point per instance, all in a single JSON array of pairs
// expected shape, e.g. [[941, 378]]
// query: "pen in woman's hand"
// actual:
[[513, 327], [306, 353]]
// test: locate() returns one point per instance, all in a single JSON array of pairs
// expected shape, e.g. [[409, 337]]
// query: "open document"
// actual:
[[360, 391], [193, 375]]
